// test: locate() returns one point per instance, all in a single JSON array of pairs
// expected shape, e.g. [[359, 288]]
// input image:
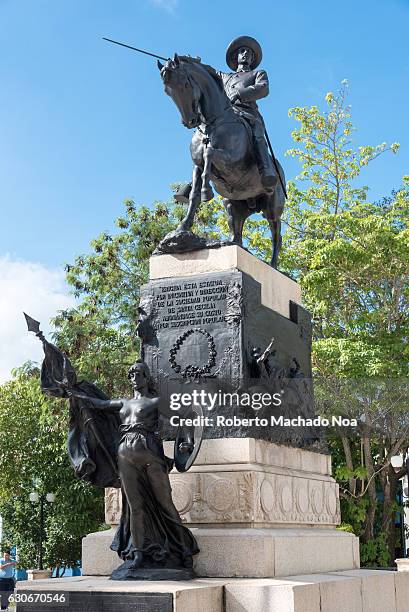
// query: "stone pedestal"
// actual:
[[204, 317], [264, 514], [257, 508]]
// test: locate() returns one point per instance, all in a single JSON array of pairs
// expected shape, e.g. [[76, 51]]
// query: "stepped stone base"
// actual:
[[252, 553], [265, 553], [350, 591], [85, 594]]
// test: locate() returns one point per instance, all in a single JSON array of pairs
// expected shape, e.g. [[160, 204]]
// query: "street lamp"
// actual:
[[400, 464], [397, 461], [42, 498]]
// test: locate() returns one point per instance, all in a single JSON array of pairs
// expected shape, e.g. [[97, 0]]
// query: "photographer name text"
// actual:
[[272, 421]]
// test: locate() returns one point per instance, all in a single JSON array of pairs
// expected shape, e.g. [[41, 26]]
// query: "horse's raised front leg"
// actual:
[[207, 191], [194, 201]]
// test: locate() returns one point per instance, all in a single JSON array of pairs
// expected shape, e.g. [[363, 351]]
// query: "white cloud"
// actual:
[[32, 288], [167, 5]]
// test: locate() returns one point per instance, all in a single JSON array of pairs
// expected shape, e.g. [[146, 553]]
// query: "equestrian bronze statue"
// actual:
[[229, 147]]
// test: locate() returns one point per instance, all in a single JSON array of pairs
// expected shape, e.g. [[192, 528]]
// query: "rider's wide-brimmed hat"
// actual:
[[243, 41]]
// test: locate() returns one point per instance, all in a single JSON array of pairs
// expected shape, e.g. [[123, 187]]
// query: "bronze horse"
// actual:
[[222, 151]]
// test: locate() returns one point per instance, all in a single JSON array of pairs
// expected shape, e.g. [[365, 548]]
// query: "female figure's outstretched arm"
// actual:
[[102, 404]]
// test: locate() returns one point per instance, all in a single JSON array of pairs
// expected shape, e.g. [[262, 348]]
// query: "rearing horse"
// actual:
[[222, 151]]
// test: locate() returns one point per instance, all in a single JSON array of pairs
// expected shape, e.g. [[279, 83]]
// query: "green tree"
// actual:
[[33, 432], [351, 257]]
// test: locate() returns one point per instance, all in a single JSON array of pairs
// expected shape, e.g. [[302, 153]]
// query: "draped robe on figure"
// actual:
[[93, 439]]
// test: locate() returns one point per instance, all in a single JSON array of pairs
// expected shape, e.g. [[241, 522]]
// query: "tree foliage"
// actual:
[[33, 432], [351, 257]]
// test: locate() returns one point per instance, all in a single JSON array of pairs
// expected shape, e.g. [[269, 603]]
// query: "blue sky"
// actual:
[[85, 124]]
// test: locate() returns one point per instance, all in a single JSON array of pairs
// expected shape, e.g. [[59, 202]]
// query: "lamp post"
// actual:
[[400, 464], [41, 498]]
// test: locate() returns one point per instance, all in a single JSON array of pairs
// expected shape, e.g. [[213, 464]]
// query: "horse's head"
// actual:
[[183, 90]]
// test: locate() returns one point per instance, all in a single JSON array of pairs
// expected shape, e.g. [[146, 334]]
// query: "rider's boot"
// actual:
[[266, 168]]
